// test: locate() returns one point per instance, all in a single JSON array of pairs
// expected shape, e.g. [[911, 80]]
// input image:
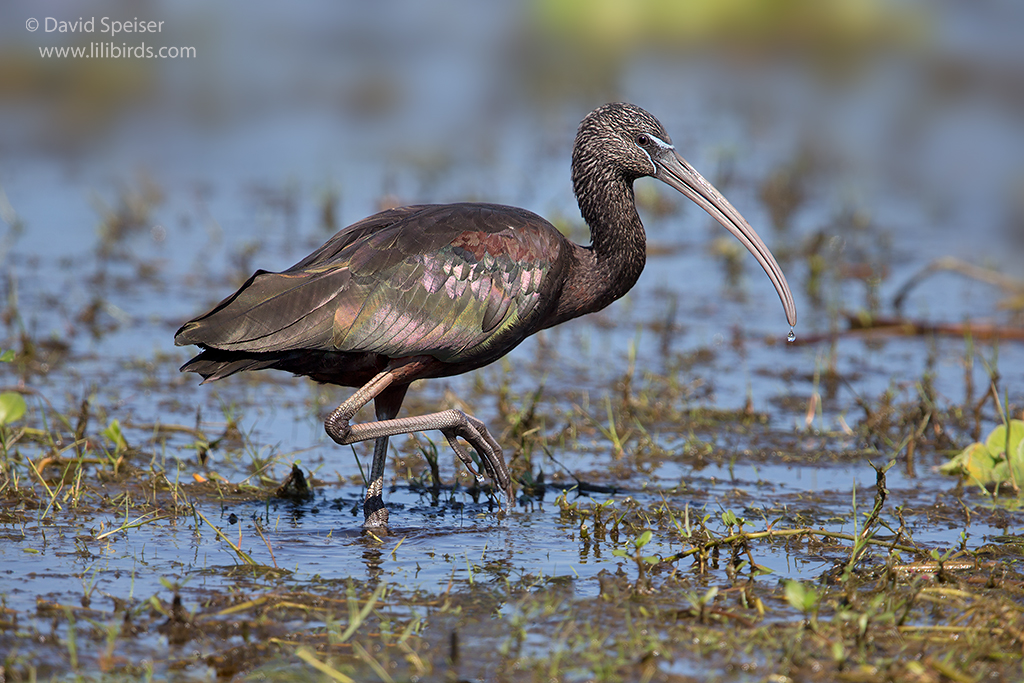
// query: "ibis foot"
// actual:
[[374, 513]]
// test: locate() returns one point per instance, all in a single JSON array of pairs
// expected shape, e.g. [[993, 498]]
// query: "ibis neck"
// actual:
[[609, 268], [619, 242]]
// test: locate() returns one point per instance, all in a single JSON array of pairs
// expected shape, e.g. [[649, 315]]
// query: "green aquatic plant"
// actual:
[[643, 562], [803, 597], [12, 407], [12, 404], [115, 435], [998, 461]]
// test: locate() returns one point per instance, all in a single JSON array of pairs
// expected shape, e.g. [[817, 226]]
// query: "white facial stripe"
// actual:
[[661, 143], [655, 168], [664, 146]]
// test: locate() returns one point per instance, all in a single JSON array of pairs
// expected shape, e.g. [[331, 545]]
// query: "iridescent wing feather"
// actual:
[[457, 281]]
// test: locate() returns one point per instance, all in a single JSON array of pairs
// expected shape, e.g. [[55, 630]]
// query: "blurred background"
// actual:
[[861, 138]]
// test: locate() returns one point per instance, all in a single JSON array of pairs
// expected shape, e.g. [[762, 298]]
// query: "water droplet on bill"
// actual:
[[791, 337]]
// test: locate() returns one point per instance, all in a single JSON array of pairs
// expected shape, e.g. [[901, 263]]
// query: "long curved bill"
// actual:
[[673, 170]]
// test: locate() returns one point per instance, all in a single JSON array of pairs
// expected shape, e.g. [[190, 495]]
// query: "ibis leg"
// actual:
[[386, 404], [388, 398], [375, 515]]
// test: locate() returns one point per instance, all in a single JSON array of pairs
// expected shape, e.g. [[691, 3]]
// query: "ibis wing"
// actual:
[[289, 310], [271, 312], [456, 281]]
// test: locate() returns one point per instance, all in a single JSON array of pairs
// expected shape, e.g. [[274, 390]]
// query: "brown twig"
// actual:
[[744, 536]]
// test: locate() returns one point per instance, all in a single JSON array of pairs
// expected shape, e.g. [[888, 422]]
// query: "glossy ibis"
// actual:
[[437, 290]]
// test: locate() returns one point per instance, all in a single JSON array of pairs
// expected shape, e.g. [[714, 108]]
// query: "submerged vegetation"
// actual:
[[656, 535], [725, 575]]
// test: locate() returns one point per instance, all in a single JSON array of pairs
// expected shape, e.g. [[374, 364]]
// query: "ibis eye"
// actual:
[[643, 140]]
